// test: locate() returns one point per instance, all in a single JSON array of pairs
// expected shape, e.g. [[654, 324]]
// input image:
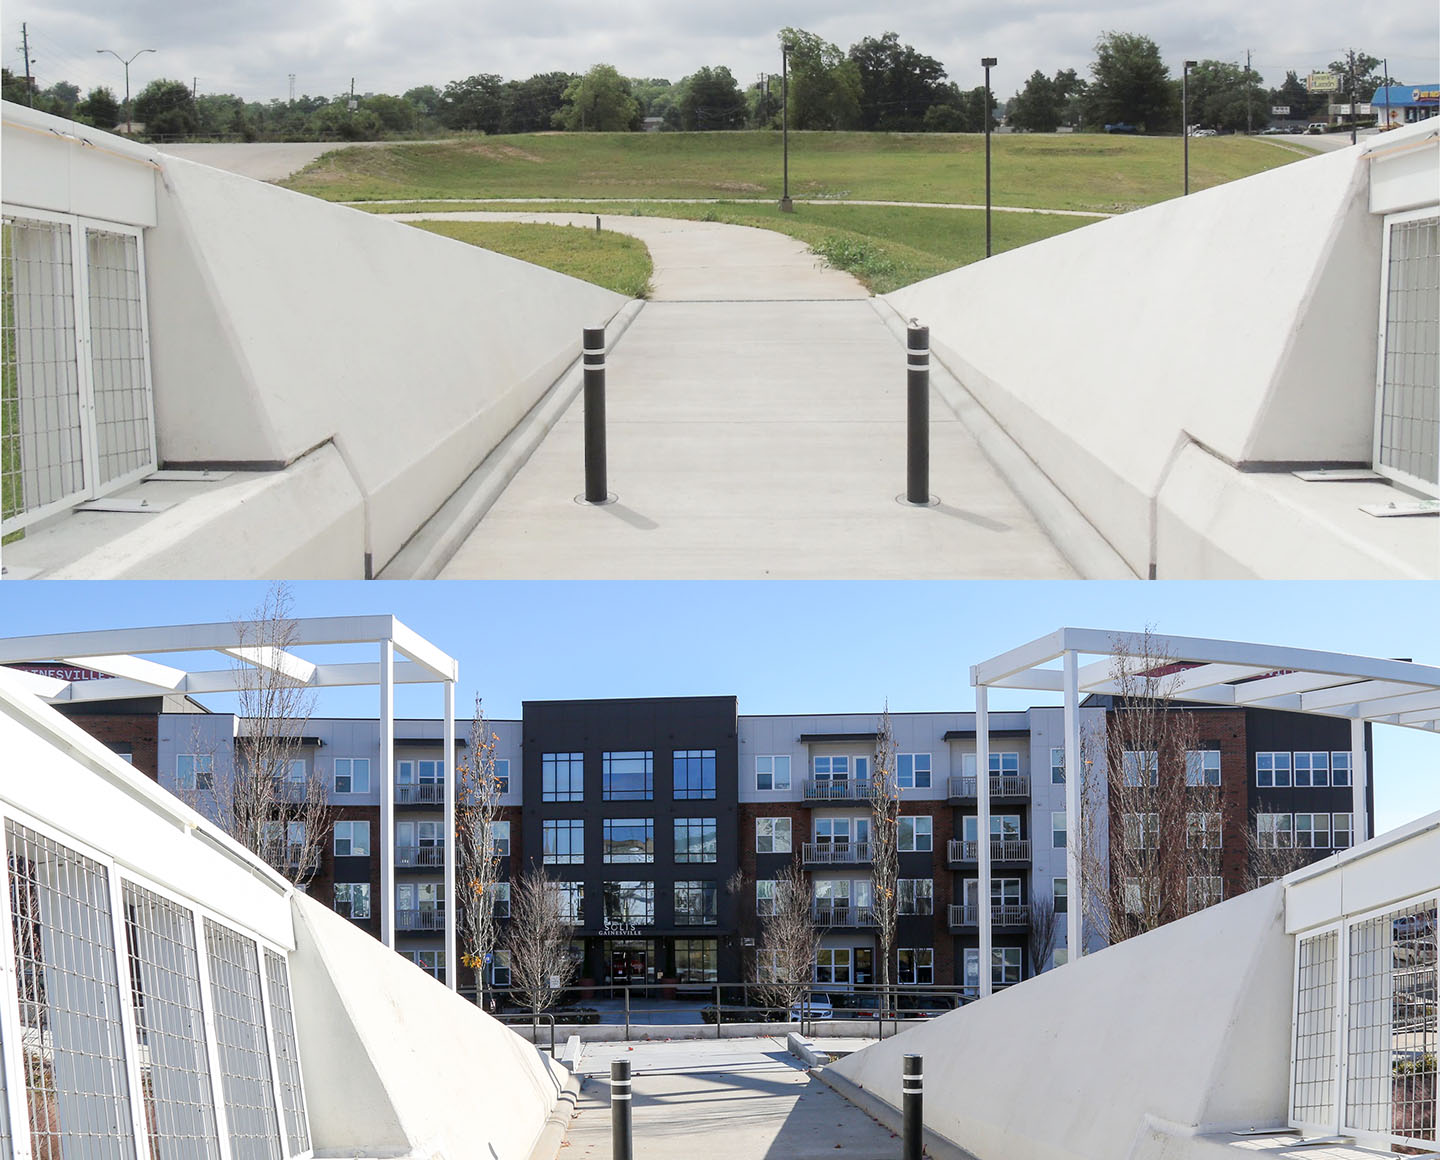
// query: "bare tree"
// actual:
[[267, 798], [538, 939], [1272, 855], [789, 942], [1151, 835], [1040, 938], [885, 845], [477, 865]]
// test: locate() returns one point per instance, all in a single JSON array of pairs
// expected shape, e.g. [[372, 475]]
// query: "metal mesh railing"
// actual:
[[243, 1048], [1409, 424], [124, 439], [165, 992], [1316, 998], [76, 1086], [287, 1052]]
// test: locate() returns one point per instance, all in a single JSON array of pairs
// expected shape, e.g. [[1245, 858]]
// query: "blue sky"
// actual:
[[788, 647]]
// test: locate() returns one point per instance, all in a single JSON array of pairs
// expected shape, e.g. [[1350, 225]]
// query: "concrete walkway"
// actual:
[[735, 1099]]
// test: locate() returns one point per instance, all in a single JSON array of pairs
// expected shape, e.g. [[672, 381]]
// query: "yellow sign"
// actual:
[[1425, 95], [1322, 82]]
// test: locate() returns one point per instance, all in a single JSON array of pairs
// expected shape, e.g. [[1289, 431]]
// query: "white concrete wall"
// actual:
[[397, 1065]]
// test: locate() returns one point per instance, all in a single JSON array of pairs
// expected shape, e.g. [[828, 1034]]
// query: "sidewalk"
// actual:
[[738, 1099]]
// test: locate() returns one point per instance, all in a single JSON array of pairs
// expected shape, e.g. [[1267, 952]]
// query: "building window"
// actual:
[[572, 901], [832, 965], [431, 962], [1003, 827], [697, 960], [502, 779], [562, 841], [1340, 767], [1057, 766], [772, 772], [1312, 769], [499, 968], [1140, 767], [1202, 831], [1407, 422], [916, 895], [1202, 767], [629, 840], [694, 774], [765, 897], [1274, 831], [1142, 831], [1312, 831], [194, 771], [1138, 892], [827, 769], [562, 777], [1203, 890], [912, 770], [352, 775], [500, 899], [352, 899], [1061, 894], [1004, 966], [772, 835], [628, 776], [352, 839], [696, 903], [915, 835], [1058, 829], [695, 840], [1344, 830], [629, 903], [295, 771], [915, 965], [500, 839], [1272, 770]]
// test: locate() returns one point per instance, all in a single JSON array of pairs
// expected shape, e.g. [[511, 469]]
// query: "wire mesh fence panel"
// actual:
[[1391, 1054], [124, 437], [41, 411], [244, 1050], [1315, 1049], [165, 991], [287, 1051], [77, 1091], [7, 1145], [1409, 428]]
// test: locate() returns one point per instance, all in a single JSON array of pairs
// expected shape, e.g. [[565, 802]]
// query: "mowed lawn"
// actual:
[[1093, 172], [615, 261]]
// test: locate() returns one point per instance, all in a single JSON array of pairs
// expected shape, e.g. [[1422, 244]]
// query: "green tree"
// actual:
[[13, 88], [1225, 96], [220, 115], [530, 105], [710, 99], [599, 102], [897, 83], [1303, 104], [396, 115], [426, 101], [824, 84], [475, 103], [167, 109], [1131, 85], [100, 108], [1038, 107], [763, 101], [60, 99], [336, 120], [1368, 74]]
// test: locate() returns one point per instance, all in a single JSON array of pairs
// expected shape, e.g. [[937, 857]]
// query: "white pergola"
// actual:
[[1238, 674], [122, 654]]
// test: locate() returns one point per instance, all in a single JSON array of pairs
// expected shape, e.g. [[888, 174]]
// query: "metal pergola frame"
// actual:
[[1234, 674], [121, 654]]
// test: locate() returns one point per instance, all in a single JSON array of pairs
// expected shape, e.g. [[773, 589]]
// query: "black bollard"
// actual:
[[917, 382], [621, 1146], [912, 1087], [595, 489]]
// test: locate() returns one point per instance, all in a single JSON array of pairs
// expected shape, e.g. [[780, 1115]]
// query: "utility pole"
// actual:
[[1354, 101], [126, 63], [292, 88], [1249, 127], [29, 80], [194, 87]]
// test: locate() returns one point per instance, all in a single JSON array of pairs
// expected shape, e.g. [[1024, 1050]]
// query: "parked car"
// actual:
[[1121, 127], [816, 1006], [1203, 133], [1316, 127]]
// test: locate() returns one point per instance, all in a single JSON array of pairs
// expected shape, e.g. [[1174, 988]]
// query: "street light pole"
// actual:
[[786, 205], [1185, 118], [126, 63], [987, 63]]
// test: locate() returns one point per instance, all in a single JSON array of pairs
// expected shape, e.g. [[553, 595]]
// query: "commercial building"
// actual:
[[1395, 105]]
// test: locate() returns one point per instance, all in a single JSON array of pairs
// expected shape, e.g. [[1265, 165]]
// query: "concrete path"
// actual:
[[732, 1099]]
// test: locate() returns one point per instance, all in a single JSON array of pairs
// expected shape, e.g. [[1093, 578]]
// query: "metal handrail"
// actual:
[[420, 855], [836, 853], [843, 914], [426, 793], [850, 789], [1009, 914], [1007, 786], [421, 918], [1001, 850]]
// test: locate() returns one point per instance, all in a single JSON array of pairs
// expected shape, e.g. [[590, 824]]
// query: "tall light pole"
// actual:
[[987, 63], [1185, 117], [126, 63], [786, 205]]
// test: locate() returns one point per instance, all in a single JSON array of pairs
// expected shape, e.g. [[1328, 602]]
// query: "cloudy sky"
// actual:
[[250, 49]]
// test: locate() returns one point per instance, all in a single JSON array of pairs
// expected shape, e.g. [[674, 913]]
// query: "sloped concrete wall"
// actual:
[[1187, 1026], [395, 1064]]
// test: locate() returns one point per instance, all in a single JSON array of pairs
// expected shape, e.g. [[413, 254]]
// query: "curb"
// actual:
[[557, 1124], [935, 1146]]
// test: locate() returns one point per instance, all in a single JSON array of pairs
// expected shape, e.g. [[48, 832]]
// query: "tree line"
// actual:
[[879, 84]]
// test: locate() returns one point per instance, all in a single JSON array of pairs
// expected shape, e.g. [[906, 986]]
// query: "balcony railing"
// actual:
[[290, 856], [425, 918], [1010, 786], [847, 790], [836, 853], [1008, 850], [828, 912], [1010, 914], [426, 793], [419, 855]]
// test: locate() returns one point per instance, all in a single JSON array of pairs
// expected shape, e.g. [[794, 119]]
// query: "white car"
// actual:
[[816, 1006]]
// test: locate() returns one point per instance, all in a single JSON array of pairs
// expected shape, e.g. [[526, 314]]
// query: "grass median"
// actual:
[[612, 260]]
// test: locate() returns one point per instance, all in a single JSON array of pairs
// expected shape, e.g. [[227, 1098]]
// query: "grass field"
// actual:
[[608, 259], [1089, 172]]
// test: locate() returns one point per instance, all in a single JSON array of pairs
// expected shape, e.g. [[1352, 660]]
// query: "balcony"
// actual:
[[425, 918], [1007, 850], [828, 912], [1013, 787], [849, 790], [290, 857], [836, 853], [419, 856], [1010, 914], [425, 793]]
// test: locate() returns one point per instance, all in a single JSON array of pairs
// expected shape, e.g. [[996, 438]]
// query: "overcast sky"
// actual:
[[250, 49]]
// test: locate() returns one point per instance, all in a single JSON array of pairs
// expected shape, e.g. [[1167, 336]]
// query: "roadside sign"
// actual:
[[1322, 82], [1279, 110], [488, 957]]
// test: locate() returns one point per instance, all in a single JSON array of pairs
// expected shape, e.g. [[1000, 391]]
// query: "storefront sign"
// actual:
[[620, 932], [1322, 82], [59, 672]]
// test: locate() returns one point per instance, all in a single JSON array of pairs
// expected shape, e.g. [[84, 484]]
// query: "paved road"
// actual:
[[735, 1099]]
